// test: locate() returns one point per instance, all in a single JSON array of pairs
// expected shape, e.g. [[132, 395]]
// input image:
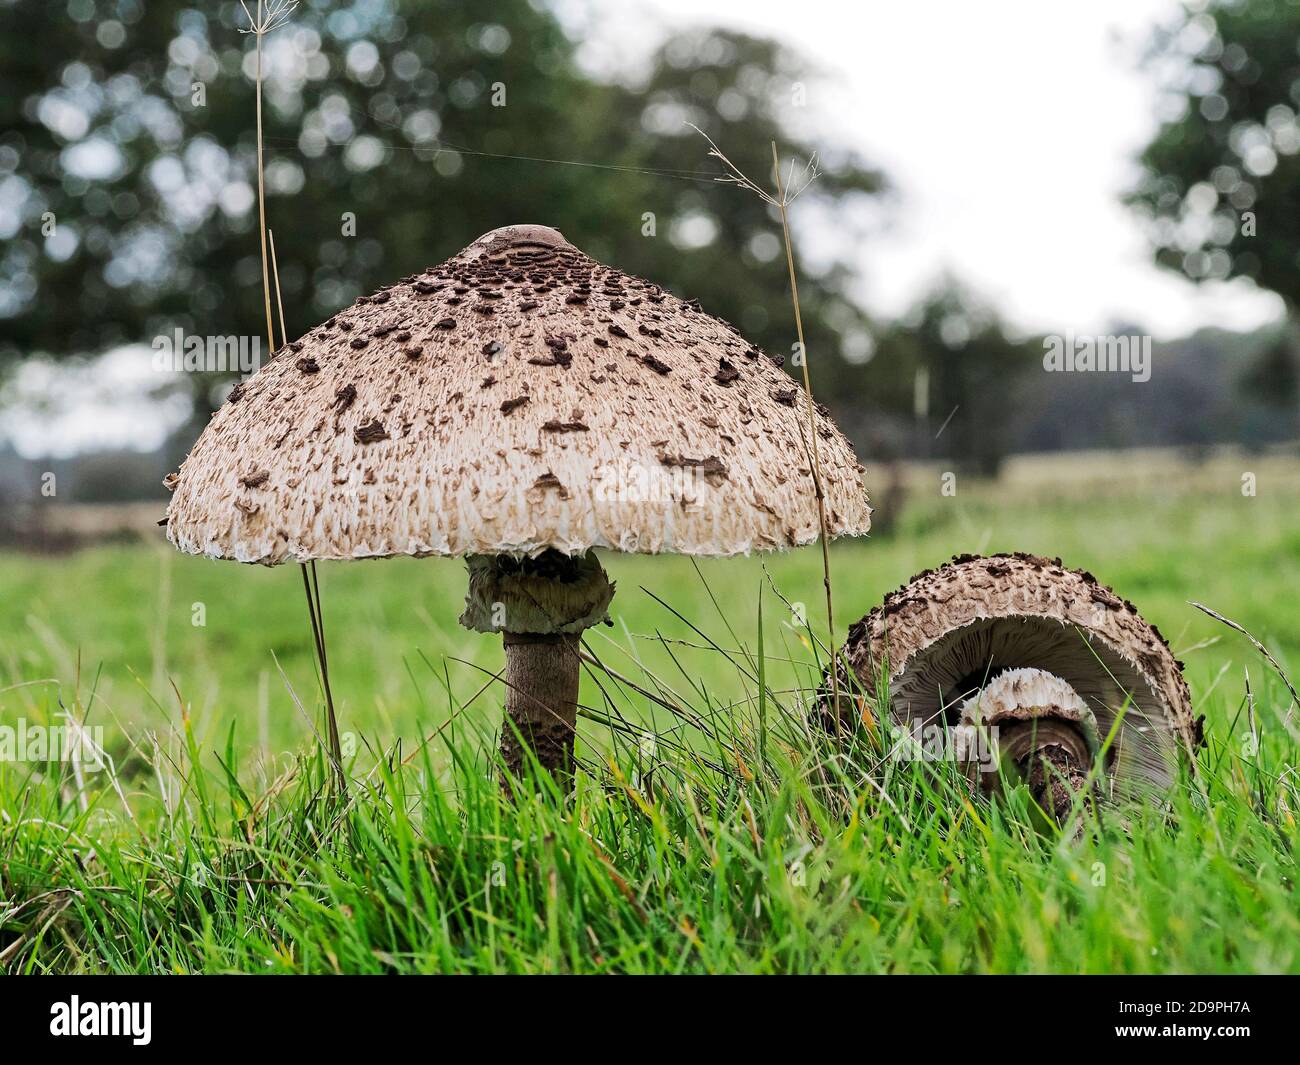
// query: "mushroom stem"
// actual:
[[1055, 780], [541, 702], [1052, 758], [541, 606]]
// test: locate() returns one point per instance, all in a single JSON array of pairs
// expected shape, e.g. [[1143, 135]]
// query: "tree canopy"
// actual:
[[1219, 178], [127, 164]]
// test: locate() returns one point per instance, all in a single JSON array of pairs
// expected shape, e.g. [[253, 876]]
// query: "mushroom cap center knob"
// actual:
[[524, 235]]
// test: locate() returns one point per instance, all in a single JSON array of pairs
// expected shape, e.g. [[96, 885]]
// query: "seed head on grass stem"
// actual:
[[270, 15], [786, 193]]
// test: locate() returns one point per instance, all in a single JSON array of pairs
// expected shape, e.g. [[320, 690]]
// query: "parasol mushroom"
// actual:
[[1044, 657], [520, 405]]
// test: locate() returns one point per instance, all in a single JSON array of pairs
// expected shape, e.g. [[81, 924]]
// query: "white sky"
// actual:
[[59, 410], [1008, 128]]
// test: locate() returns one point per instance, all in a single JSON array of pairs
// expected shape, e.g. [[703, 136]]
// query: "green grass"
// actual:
[[738, 841]]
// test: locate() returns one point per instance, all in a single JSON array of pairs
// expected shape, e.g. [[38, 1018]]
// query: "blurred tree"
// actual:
[[1274, 377], [127, 182], [1220, 176], [972, 378]]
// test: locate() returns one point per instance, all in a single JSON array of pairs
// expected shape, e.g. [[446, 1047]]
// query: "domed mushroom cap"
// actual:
[[520, 396], [947, 633]]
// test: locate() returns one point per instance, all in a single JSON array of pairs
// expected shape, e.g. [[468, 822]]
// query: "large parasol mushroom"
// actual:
[[1042, 656], [519, 405]]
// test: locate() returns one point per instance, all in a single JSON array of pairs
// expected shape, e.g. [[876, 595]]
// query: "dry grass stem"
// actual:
[[270, 14], [786, 193]]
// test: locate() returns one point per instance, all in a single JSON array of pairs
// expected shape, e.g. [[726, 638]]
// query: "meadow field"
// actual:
[[712, 830]]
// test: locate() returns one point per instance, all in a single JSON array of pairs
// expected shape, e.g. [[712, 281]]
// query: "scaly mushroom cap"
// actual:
[[948, 632], [521, 396]]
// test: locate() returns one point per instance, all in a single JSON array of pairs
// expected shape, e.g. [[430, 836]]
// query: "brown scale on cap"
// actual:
[[948, 632], [516, 435]]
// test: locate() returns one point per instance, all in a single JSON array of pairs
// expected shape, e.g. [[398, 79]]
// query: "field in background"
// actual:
[[134, 619], [149, 631], [1122, 474]]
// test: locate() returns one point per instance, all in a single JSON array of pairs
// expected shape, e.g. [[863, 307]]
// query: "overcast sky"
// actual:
[[1009, 128]]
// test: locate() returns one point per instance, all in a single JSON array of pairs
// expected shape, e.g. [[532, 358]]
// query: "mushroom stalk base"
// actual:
[[1055, 780], [541, 703], [1052, 758]]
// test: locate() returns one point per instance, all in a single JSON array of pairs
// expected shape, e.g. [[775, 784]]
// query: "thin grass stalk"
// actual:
[[782, 205], [279, 303], [335, 743], [311, 587], [267, 19], [259, 31], [785, 195]]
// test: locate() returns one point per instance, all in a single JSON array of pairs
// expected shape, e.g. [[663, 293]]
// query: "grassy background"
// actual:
[[756, 848]]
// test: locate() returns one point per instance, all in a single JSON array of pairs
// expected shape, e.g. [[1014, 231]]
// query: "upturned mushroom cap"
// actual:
[[521, 396], [948, 632]]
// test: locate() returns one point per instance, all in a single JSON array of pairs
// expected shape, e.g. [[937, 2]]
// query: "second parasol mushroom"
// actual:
[[520, 405], [1045, 659]]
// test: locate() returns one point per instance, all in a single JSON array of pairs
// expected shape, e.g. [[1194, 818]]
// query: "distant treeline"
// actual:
[[989, 397], [1214, 387]]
